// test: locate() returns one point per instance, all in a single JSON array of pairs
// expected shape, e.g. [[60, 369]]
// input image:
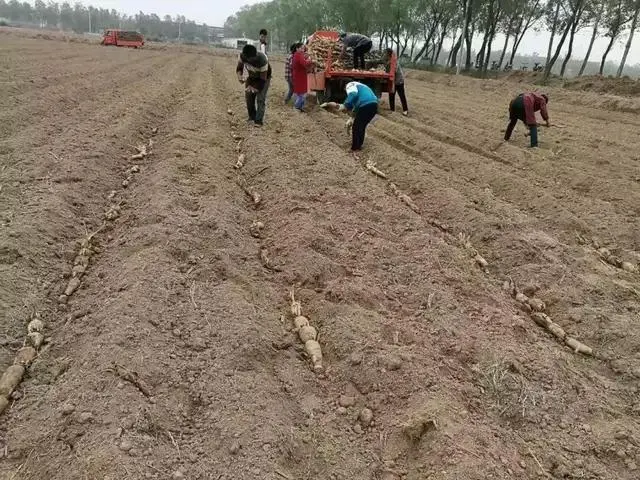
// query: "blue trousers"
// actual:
[[533, 133], [299, 102]]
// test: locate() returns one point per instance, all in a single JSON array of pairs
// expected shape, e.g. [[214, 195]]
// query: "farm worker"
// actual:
[[288, 76], [300, 65], [524, 107], [361, 45], [257, 81], [364, 104], [263, 41], [399, 85]]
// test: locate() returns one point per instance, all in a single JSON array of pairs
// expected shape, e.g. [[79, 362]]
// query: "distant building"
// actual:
[[216, 34], [237, 43]]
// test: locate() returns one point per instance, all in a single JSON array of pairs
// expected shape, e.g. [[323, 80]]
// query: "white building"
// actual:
[[238, 43]]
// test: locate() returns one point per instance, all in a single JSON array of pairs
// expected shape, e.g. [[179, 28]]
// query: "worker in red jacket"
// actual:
[[524, 107], [300, 65]]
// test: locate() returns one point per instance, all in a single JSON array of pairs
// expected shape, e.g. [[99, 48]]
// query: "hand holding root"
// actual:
[[329, 105], [349, 125]]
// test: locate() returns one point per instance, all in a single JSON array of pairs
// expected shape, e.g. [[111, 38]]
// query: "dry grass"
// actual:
[[509, 391]]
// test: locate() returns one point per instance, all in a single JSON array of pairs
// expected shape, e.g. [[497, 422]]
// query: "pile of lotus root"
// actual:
[[319, 48]]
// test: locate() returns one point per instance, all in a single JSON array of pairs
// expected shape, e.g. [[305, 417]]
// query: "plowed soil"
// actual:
[[175, 357]]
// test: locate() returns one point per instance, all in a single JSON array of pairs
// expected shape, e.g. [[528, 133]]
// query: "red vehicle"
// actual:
[[329, 84], [122, 38]]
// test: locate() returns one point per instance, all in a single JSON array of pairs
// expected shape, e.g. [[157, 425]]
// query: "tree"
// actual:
[[599, 6], [493, 14], [400, 24], [41, 12], [528, 13], [571, 14], [507, 29], [448, 16], [428, 22], [615, 18], [66, 16], [579, 17], [635, 6], [52, 15], [469, 29], [552, 11]]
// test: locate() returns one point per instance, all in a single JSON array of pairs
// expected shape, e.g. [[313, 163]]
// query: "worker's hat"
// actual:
[[351, 87]]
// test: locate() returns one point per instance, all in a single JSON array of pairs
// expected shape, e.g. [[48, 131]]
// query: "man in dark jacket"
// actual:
[[257, 81], [524, 108], [360, 44]]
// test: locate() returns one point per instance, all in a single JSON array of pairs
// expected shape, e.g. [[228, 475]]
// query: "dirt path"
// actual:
[[175, 357]]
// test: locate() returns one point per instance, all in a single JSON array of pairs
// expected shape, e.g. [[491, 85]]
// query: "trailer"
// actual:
[[328, 83], [122, 38]]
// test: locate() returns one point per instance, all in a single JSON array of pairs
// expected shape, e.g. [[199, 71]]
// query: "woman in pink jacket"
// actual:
[[300, 65]]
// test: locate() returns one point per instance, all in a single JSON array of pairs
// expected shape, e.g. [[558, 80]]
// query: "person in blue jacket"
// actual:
[[364, 104]]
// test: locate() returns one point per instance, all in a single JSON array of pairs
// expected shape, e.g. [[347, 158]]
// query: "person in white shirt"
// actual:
[[263, 41]]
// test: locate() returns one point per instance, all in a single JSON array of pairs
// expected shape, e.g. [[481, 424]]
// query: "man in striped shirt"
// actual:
[[257, 81], [288, 74]]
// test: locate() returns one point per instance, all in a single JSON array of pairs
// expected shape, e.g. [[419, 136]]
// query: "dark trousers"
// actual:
[[257, 103], [403, 99], [289, 92], [358, 55], [364, 115], [516, 112]]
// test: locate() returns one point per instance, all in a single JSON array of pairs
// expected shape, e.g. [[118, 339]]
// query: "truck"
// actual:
[[328, 83], [122, 38]]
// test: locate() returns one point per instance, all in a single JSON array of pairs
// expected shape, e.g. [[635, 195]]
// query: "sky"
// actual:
[[211, 12], [215, 12]]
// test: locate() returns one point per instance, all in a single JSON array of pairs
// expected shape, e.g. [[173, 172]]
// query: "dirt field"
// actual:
[[175, 356]]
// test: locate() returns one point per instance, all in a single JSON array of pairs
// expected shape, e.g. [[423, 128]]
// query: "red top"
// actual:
[[299, 66], [532, 103]]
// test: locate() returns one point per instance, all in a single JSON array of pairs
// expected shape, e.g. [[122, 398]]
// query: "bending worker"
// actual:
[[364, 104], [361, 45], [256, 83], [524, 108]]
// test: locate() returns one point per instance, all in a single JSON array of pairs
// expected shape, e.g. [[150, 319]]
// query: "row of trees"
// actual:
[[80, 19], [420, 28]]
